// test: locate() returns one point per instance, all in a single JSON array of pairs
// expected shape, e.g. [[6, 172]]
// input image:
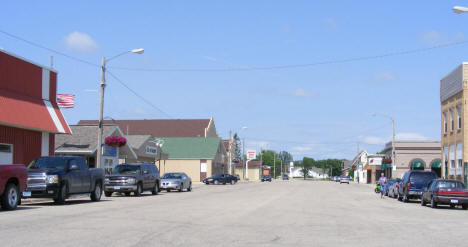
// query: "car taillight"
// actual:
[[408, 186], [397, 186]]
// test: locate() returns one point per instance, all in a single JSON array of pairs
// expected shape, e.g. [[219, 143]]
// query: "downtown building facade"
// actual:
[[29, 114], [453, 96]]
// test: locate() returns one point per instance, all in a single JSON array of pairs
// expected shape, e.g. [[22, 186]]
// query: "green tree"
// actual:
[[306, 165], [237, 145]]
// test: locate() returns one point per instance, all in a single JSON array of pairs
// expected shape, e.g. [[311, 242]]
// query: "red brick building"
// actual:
[[29, 115]]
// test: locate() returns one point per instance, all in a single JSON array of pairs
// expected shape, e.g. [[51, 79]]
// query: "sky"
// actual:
[[201, 60]]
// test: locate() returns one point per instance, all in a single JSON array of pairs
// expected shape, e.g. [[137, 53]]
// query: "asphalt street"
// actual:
[[280, 213]]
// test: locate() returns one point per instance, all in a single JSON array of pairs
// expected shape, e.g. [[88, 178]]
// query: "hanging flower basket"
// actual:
[[116, 141], [387, 161]]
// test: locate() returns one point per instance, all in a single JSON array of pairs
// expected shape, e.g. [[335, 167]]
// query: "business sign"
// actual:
[[251, 154], [151, 150], [375, 161]]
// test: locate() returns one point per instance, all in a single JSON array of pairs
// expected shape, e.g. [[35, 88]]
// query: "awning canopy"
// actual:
[[385, 166], [417, 164], [20, 111], [436, 164]]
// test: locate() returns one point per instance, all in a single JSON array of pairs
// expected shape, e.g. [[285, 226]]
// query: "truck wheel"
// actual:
[[96, 194], [465, 206], [10, 198], [216, 182], [108, 193], [61, 195], [155, 189], [127, 193], [138, 191], [233, 182]]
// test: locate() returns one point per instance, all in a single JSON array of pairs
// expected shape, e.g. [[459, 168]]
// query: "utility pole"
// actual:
[[243, 156], [393, 144], [101, 108], [357, 148], [274, 164], [230, 153], [281, 173]]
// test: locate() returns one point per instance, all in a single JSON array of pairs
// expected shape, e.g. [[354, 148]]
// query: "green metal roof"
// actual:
[[191, 147]]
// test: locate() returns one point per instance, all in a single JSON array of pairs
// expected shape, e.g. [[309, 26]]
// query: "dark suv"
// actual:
[[133, 177], [413, 184]]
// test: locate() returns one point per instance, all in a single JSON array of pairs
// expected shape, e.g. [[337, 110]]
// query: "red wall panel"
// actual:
[[20, 76], [26, 143], [53, 87], [51, 144]]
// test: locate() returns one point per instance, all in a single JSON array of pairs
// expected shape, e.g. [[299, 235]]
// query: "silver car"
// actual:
[[176, 181], [344, 179]]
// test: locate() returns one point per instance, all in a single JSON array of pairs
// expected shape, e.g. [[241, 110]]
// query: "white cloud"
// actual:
[[331, 23], [374, 140], [297, 93], [384, 76], [434, 37], [410, 137], [81, 42]]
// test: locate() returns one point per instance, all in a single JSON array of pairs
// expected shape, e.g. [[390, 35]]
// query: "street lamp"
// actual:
[[460, 10], [393, 137], [101, 104], [160, 143]]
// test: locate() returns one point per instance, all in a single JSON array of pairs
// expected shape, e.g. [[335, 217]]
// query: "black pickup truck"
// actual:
[[58, 177]]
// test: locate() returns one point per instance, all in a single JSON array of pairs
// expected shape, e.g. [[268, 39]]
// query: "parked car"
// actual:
[[13, 179], [220, 179], [133, 177], [344, 179], [58, 177], [413, 183], [447, 192], [266, 178], [285, 177], [176, 181], [387, 186], [337, 178], [393, 188]]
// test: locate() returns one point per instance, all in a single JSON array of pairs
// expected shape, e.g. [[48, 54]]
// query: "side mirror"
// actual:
[[73, 167]]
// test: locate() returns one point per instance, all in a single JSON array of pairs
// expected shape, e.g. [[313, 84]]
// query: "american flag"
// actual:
[[66, 100]]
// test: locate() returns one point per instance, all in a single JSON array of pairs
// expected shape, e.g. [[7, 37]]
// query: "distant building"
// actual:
[[198, 157], [346, 165], [413, 155], [83, 143], [453, 97]]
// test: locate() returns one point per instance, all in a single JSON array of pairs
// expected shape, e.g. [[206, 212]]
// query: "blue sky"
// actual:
[[318, 111]]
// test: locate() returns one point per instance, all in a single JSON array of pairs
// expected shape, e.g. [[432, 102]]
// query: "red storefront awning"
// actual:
[[22, 111]]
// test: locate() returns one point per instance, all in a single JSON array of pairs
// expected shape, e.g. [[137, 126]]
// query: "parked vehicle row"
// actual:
[[426, 187], [62, 177]]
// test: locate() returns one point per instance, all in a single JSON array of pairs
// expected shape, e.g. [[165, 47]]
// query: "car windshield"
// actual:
[[422, 176], [172, 176], [126, 169], [49, 163], [450, 185]]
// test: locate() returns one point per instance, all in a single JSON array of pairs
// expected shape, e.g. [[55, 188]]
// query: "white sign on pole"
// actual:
[[251, 154]]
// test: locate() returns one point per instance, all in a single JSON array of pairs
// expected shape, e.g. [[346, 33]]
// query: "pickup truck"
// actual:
[[12, 183], [58, 177]]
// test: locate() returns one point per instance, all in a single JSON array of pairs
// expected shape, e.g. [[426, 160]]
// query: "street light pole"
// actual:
[[101, 102]]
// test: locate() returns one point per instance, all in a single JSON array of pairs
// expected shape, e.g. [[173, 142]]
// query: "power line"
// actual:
[[251, 68], [294, 66], [49, 49], [138, 95]]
